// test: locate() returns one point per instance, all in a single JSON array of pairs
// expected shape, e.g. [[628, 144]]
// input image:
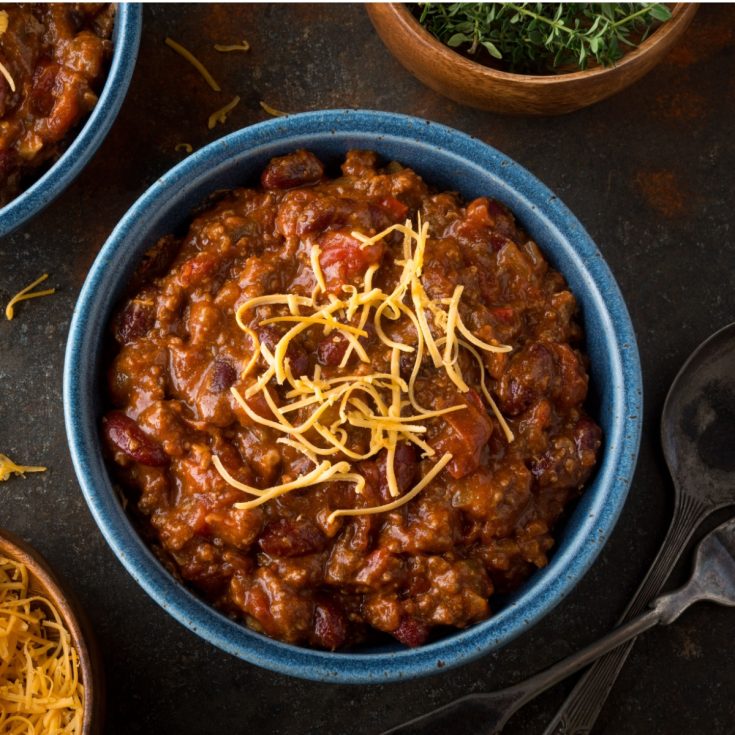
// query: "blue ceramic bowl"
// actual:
[[447, 159], [126, 39]]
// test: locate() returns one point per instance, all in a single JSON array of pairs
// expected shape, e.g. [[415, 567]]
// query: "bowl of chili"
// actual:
[[73, 150], [451, 161]]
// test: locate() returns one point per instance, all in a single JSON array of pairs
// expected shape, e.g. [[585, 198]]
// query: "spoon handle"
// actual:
[[582, 707], [483, 714]]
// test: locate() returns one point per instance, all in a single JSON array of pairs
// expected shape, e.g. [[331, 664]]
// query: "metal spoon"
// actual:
[[698, 431], [698, 436], [713, 579]]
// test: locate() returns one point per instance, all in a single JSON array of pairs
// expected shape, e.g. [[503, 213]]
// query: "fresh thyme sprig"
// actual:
[[543, 37]]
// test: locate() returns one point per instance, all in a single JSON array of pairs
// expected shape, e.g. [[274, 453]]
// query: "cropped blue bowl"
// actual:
[[125, 39], [447, 159]]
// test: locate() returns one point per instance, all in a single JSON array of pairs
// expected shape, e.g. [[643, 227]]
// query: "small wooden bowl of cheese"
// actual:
[[50, 676]]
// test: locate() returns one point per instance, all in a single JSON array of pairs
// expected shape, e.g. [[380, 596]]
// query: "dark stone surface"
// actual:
[[648, 172]]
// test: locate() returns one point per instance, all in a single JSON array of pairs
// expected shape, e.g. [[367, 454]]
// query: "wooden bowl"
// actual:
[[43, 582], [473, 84]]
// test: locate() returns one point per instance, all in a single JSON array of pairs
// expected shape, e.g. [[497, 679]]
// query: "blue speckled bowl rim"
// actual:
[[586, 531], [126, 39]]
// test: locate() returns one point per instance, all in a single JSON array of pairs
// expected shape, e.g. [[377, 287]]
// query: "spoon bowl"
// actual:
[[698, 421]]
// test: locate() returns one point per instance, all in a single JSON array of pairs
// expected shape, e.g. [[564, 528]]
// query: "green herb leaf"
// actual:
[[492, 49], [661, 12], [458, 39]]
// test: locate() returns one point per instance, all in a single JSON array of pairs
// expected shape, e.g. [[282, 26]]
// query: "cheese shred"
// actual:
[[226, 48], [272, 110], [25, 294], [8, 467], [318, 414], [41, 692], [4, 71], [186, 54], [220, 116]]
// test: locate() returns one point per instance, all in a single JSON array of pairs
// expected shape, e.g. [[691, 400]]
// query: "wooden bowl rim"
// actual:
[[682, 13], [20, 551]]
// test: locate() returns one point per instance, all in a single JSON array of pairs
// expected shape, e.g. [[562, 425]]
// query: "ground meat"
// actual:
[[484, 524], [57, 56]]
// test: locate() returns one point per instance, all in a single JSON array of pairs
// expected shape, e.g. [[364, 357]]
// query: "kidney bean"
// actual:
[[331, 350], [124, 434], [531, 375], [406, 468], [406, 464], [270, 335], [289, 538], [411, 632], [42, 92], [134, 322], [297, 169], [587, 436], [298, 360], [330, 624], [223, 375]]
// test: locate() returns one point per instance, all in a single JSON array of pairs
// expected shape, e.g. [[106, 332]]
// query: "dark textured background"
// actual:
[[648, 172]]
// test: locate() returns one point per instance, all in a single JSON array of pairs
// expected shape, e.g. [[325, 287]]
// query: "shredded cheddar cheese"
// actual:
[[383, 406], [244, 46], [186, 147], [186, 54], [272, 110], [40, 689], [220, 116], [4, 71], [25, 294], [8, 467]]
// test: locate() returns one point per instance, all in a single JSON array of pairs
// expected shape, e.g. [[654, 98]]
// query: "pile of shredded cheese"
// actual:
[[383, 404], [40, 689]]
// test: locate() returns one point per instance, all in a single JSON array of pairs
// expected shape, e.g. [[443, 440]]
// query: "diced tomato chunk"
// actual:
[[464, 434], [344, 259], [394, 208]]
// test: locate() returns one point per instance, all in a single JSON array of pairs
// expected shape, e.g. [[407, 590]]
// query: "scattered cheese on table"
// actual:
[[8, 467], [25, 294], [189, 56]]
